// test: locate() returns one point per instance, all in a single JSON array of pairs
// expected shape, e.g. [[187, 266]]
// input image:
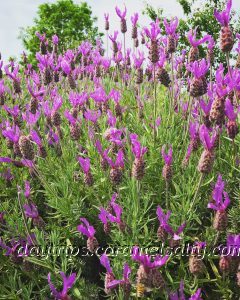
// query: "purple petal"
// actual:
[[106, 263]]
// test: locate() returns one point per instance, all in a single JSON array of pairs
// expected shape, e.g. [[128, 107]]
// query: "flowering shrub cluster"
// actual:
[[154, 131]]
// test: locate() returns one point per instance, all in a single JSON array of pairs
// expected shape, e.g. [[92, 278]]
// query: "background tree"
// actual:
[[200, 15], [71, 22]]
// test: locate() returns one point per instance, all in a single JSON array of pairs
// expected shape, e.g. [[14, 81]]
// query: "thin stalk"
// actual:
[[197, 191], [216, 238], [211, 78], [234, 151], [167, 195], [107, 41], [172, 77], [155, 103]]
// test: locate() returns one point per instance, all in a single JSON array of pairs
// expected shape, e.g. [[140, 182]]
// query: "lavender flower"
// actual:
[[27, 190], [125, 282], [86, 229], [121, 14], [85, 165], [171, 26], [134, 19], [109, 277], [180, 295], [224, 17], [167, 156], [153, 33], [31, 211], [217, 196], [68, 282], [207, 141], [198, 68], [193, 39]]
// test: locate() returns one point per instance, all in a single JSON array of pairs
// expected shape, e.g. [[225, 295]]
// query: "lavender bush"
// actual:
[[120, 168]]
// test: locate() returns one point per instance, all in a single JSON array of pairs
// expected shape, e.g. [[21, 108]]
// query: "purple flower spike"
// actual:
[[31, 211], [113, 37], [154, 31], [193, 130], [224, 17], [233, 242], [178, 295], [217, 195], [112, 120], [193, 40], [125, 281], [106, 17], [85, 164], [118, 213], [138, 61], [106, 263], [199, 68], [68, 282], [66, 67], [167, 157], [206, 139], [171, 26], [163, 219], [121, 14], [86, 228], [145, 260], [36, 138], [92, 115], [103, 216], [134, 19], [137, 149], [229, 110], [55, 39], [12, 133], [27, 191], [196, 296]]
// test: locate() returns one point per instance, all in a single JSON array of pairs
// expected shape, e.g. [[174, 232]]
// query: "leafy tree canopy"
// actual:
[[71, 22]]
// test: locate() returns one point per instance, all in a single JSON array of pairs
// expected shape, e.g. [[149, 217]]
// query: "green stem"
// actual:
[[167, 198], [216, 238], [197, 191], [155, 103], [172, 75]]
